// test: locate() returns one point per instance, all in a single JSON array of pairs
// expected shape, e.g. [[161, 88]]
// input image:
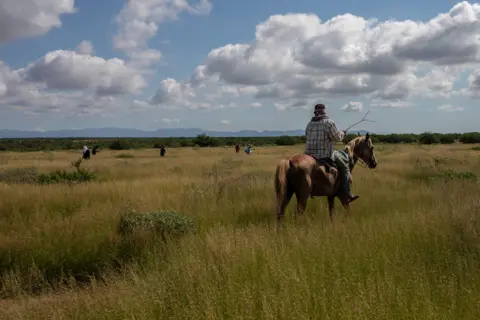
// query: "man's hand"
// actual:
[[350, 178]]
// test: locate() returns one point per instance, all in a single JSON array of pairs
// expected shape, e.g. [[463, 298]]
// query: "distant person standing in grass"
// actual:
[[321, 134], [86, 153], [162, 151], [248, 149]]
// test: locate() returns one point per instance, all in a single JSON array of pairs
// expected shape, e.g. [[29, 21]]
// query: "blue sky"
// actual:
[[57, 74]]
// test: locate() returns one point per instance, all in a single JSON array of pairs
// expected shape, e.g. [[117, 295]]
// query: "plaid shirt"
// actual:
[[321, 137]]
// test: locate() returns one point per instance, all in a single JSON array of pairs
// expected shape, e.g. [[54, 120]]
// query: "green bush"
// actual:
[[285, 141], [119, 145], [428, 138], [203, 140], [462, 175], [470, 137], [447, 139], [163, 223], [62, 176]]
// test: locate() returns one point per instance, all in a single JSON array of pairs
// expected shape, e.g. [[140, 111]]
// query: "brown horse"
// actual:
[[303, 176]]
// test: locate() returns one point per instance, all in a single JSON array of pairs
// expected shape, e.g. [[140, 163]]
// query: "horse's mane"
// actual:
[[350, 146]]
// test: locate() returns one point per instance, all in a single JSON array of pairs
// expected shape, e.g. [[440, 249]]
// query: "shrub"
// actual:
[[462, 175], [119, 145], [285, 141], [470, 137], [163, 223], [428, 138], [203, 140], [448, 175], [62, 176], [447, 139]]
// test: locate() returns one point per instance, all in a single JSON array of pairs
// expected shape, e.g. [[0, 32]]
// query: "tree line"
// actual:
[[51, 144]]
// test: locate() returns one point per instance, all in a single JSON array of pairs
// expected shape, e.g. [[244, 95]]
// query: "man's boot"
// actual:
[[352, 197]]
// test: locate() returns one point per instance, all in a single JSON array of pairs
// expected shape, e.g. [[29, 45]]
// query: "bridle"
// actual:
[[357, 159]]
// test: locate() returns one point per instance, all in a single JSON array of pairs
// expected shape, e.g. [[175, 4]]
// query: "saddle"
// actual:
[[330, 168], [328, 163]]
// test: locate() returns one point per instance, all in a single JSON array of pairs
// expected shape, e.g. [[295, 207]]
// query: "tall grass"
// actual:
[[410, 249]]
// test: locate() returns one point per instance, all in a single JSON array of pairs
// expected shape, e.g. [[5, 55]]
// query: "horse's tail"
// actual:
[[281, 179]]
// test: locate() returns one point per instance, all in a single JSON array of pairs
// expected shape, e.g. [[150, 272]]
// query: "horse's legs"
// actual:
[[281, 207], [331, 206], [302, 193]]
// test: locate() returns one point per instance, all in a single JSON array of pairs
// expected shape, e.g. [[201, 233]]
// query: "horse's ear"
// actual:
[[358, 133], [367, 136]]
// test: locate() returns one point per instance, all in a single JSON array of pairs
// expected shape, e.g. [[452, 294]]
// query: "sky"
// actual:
[[239, 65]]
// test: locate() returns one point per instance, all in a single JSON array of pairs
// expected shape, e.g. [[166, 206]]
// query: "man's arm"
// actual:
[[308, 128], [333, 131]]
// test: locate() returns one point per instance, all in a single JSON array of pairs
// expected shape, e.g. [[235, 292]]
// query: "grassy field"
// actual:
[[409, 250]]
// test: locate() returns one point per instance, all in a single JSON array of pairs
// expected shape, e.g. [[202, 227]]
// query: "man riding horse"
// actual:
[[321, 134]]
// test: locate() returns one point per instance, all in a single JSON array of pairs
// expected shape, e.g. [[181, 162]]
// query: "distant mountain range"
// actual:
[[136, 133]]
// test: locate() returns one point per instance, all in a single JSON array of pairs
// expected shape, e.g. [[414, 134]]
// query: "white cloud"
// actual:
[[139, 21], [65, 70], [29, 18], [294, 61], [173, 95], [474, 84], [170, 121], [5, 75], [225, 122], [450, 108], [392, 104], [144, 58], [297, 58], [353, 106]]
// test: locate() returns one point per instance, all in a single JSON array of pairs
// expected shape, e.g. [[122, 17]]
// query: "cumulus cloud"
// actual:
[[294, 61], [78, 80], [474, 84], [139, 21], [4, 74], [450, 108], [297, 58], [392, 104], [65, 70], [225, 122], [29, 18], [353, 106], [173, 94]]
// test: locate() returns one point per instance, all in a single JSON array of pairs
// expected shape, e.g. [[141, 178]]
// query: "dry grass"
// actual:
[[411, 249]]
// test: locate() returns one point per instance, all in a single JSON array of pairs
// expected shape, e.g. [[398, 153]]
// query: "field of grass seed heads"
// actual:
[[409, 250]]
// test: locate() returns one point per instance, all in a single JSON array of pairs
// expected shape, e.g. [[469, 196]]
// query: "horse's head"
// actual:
[[362, 148]]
